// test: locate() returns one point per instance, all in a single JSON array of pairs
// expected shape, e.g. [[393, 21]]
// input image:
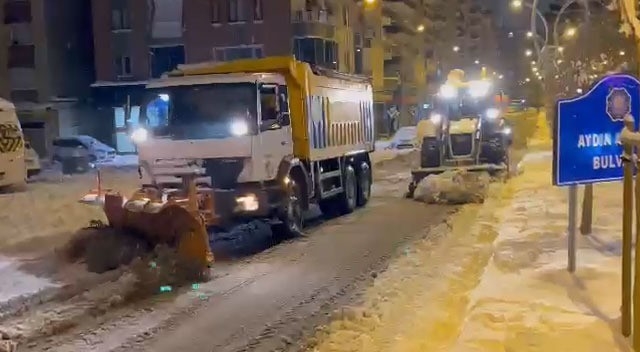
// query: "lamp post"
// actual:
[[536, 14]]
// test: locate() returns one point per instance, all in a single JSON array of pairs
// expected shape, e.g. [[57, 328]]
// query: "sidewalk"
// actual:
[[526, 300], [494, 279]]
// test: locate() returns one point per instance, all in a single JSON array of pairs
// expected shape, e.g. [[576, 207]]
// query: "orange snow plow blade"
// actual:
[[177, 220]]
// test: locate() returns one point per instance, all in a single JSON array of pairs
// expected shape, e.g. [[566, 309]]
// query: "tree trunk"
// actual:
[[587, 210]]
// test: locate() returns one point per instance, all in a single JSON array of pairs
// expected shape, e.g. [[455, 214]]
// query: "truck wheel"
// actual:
[[364, 185], [347, 200], [292, 216], [430, 153]]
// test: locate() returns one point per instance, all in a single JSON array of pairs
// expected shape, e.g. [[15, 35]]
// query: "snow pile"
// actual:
[[453, 187], [49, 211]]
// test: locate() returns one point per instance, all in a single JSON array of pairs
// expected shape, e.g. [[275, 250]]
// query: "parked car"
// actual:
[[32, 160], [404, 138], [97, 151]]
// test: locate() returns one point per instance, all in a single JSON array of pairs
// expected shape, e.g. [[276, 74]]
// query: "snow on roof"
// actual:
[[6, 105], [217, 78]]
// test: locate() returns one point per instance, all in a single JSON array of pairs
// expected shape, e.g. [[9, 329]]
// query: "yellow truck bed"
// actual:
[[331, 113]]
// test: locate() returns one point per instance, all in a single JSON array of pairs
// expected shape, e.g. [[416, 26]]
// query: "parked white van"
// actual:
[[13, 168]]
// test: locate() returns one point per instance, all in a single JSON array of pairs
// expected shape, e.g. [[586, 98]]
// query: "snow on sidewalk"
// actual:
[[526, 300], [493, 278]]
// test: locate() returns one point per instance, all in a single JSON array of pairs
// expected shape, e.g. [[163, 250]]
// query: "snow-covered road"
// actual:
[[271, 299]]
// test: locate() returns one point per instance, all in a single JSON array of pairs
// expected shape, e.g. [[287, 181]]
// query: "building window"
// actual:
[[257, 10], [236, 11], [120, 19], [123, 66], [214, 11], [317, 51], [238, 52]]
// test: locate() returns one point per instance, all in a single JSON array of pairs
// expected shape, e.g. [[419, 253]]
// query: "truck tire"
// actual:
[[292, 216], [364, 184], [492, 151], [348, 199], [430, 153]]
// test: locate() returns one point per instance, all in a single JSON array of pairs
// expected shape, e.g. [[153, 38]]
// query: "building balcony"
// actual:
[[391, 84], [22, 78], [402, 7], [21, 56], [24, 95], [20, 33], [166, 25], [17, 11], [390, 52], [313, 23]]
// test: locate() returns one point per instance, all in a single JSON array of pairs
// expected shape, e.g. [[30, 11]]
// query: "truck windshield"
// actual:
[[205, 111]]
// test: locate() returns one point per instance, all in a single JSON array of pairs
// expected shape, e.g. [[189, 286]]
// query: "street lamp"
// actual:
[[529, 34], [621, 53], [477, 62], [527, 79], [500, 77], [456, 48], [570, 32], [421, 28], [528, 52], [516, 4], [369, 2]]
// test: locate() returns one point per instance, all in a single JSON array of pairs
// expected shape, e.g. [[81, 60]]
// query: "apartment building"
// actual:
[[46, 65], [404, 42], [143, 39]]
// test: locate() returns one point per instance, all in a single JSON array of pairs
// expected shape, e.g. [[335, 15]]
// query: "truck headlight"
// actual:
[[493, 113], [448, 91], [140, 135], [239, 128], [435, 118], [479, 89], [248, 202]]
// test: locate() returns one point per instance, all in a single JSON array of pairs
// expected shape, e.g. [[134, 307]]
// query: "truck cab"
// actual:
[[257, 134]]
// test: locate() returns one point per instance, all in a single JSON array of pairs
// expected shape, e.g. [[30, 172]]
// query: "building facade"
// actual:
[[46, 66], [143, 39]]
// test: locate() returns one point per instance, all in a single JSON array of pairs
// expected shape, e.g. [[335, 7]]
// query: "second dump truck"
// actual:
[[245, 140]]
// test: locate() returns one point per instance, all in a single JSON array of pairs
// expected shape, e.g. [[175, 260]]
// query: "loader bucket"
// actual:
[[161, 222]]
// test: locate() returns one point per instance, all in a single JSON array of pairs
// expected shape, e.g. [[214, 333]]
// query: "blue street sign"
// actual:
[[587, 131]]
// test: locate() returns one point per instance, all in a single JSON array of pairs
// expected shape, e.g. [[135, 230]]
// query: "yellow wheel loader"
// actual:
[[466, 130]]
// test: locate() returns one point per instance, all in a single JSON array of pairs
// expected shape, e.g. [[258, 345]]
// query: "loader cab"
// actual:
[[474, 100]]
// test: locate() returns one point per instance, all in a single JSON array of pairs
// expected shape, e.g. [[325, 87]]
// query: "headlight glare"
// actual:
[[493, 113], [479, 88], [248, 202], [448, 91], [239, 128], [435, 118], [140, 135]]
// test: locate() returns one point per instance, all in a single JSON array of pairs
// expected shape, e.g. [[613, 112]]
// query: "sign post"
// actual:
[[588, 150]]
